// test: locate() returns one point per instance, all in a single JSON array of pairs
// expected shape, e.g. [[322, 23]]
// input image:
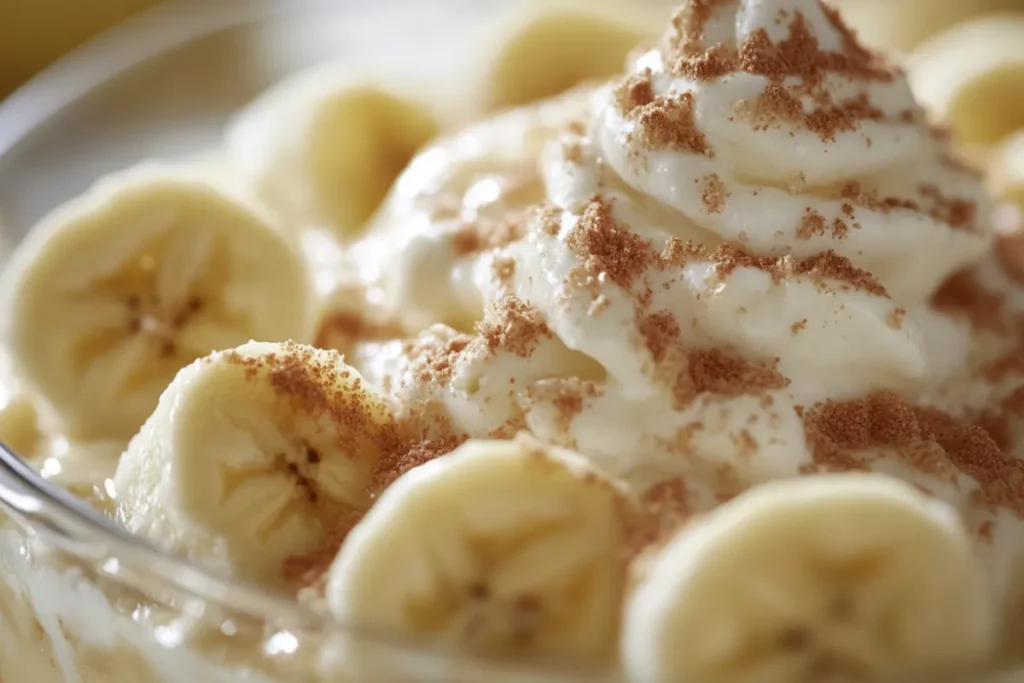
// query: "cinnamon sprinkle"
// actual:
[[837, 431], [870, 199], [841, 435], [957, 213], [720, 372], [433, 360], [686, 33], [634, 92], [1009, 251], [668, 123], [800, 56], [513, 326], [341, 329], [714, 193], [663, 340], [308, 379], [812, 225], [609, 246], [776, 103], [964, 295], [568, 404], [405, 456], [831, 266], [485, 233], [664, 507]]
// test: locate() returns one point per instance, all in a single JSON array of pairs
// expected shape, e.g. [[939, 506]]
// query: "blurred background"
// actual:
[[34, 33]]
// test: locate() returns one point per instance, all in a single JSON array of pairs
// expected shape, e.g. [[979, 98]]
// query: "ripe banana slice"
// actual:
[[111, 294], [558, 45], [847, 576], [19, 421], [971, 77], [503, 548], [1006, 168], [252, 456], [905, 24], [323, 148]]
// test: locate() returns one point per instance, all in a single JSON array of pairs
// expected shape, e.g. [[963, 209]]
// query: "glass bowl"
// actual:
[[81, 600]]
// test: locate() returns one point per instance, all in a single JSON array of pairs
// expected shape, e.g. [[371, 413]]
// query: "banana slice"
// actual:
[[848, 576], [971, 76], [111, 294], [323, 148], [503, 548], [905, 24], [19, 421], [559, 45], [252, 456], [1006, 169]]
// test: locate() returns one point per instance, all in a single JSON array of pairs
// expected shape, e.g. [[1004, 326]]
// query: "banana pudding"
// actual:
[[707, 373]]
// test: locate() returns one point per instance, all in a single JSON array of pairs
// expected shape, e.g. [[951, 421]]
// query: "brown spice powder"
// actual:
[[836, 430], [404, 456], [307, 379], [714, 193], [608, 245], [800, 56], [811, 225], [568, 404], [826, 265], [514, 326], [973, 451], [636, 91], [341, 329], [486, 233], [433, 361], [870, 199], [663, 339], [963, 295], [926, 438], [721, 372], [1009, 251], [957, 213], [668, 123], [664, 507], [686, 33], [832, 266]]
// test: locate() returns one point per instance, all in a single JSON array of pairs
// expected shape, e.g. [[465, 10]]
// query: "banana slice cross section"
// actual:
[[558, 45], [115, 292], [502, 548], [253, 455], [970, 77], [323, 148], [830, 577]]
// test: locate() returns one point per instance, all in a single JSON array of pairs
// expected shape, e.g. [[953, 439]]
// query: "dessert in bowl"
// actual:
[[707, 372]]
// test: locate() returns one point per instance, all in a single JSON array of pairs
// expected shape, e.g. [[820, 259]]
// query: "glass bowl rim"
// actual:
[[38, 504]]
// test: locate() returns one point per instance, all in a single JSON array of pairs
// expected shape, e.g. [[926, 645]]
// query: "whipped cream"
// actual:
[[752, 221]]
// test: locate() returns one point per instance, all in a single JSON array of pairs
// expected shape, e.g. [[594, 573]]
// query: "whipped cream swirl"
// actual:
[[748, 225]]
